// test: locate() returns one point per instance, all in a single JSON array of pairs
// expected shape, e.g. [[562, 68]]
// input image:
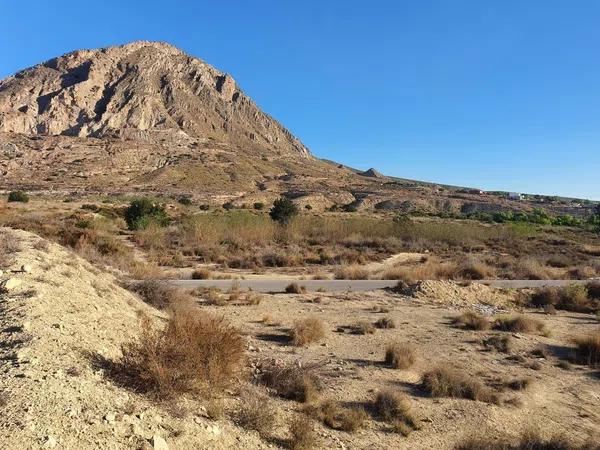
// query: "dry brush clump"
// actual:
[[338, 417], [303, 435], [498, 342], [193, 351], [363, 327], [519, 324], [257, 412], [295, 288], [400, 355], [574, 297], [587, 349], [160, 294], [306, 331], [292, 381], [385, 323], [201, 274], [448, 382], [351, 272], [471, 320], [394, 407]]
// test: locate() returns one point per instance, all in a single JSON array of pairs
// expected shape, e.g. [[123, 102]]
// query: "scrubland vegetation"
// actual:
[[140, 236]]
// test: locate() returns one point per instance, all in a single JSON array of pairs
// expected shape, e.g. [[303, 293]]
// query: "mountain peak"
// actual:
[[143, 89]]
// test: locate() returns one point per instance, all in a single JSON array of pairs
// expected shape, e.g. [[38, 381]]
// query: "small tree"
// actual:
[[283, 211], [142, 212], [18, 196]]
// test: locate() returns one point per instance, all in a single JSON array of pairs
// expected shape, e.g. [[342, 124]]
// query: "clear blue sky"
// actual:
[[498, 94]]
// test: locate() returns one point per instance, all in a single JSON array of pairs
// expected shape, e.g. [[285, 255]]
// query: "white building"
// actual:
[[515, 196]]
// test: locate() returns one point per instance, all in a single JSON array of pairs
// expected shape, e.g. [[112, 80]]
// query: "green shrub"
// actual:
[[185, 201], [142, 212], [259, 205], [18, 196], [283, 211]]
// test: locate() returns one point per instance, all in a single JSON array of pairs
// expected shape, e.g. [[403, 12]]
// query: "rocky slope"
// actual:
[[142, 90], [59, 319]]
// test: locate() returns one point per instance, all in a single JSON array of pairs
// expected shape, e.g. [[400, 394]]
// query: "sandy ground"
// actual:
[[65, 313]]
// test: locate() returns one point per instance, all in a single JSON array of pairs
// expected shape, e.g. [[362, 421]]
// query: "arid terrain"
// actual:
[[124, 168]]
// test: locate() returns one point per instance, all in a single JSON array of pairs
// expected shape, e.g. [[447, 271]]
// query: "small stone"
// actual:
[[110, 417], [158, 443], [10, 284], [26, 268]]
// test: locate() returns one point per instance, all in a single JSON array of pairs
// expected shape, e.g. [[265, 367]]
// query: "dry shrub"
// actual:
[[251, 298], [363, 327], [295, 288], [519, 324], [518, 384], [257, 413], [558, 261], [303, 433], [380, 309], [400, 355], [529, 269], [583, 272], [587, 350], [448, 382], [593, 289], [143, 271], [471, 320], [352, 272], [201, 274], [215, 408], [160, 294], [338, 417], [394, 407], [530, 440], [292, 381], [193, 351], [307, 331], [574, 297], [473, 269], [214, 297], [385, 323], [498, 342]]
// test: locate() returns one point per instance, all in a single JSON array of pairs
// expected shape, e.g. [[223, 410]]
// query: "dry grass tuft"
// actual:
[[473, 269], [306, 331], [470, 320], [338, 417], [385, 323], [257, 413], [447, 382], [201, 274], [574, 297], [518, 384], [363, 327], [160, 295], [303, 433], [400, 355], [292, 382], [394, 407], [519, 324], [587, 350], [352, 272], [295, 288], [193, 351], [498, 342]]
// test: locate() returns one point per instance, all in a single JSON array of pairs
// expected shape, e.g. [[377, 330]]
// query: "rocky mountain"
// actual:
[[142, 90], [146, 118]]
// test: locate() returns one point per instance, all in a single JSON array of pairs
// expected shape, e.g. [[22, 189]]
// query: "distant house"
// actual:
[[515, 196]]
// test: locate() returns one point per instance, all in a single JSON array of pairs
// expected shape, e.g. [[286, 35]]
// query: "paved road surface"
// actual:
[[279, 285]]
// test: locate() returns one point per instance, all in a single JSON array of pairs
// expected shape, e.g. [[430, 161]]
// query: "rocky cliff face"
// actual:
[[143, 90]]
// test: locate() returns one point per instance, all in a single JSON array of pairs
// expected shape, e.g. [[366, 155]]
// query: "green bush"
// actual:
[[259, 205], [283, 211], [186, 201], [142, 212], [18, 196]]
